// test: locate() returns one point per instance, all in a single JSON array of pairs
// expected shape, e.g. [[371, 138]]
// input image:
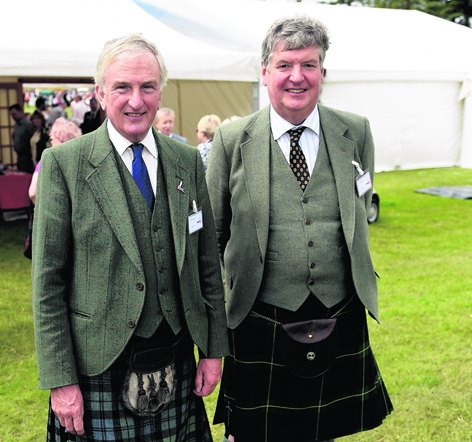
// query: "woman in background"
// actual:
[[205, 130], [61, 131], [40, 139]]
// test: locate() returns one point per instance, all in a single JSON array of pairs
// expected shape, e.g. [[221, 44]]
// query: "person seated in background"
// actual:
[[61, 131], [165, 119], [206, 128], [92, 119], [40, 139]]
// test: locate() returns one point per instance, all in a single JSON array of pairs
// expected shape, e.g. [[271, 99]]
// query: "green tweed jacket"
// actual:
[[87, 275], [238, 177]]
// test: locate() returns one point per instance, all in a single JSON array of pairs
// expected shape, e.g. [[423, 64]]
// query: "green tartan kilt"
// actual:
[[261, 400], [106, 418]]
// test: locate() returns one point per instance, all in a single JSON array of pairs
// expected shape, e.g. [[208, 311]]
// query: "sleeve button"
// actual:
[[140, 286], [130, 323]]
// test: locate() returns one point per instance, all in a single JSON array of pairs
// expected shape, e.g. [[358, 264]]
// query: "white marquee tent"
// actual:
[[407, 71], [63, 38]]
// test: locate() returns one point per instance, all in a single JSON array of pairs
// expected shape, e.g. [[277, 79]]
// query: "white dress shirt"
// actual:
[[309, 141], [123, 147]]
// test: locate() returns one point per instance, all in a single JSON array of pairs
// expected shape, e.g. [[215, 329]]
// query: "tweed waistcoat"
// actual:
[[154, 236], [306, 249]]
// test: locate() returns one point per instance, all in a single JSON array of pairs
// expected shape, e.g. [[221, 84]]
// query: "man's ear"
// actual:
[[264, 74], [100, 96]]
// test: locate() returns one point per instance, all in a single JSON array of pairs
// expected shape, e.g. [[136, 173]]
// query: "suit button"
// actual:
[[310, 243], [130, 323], [162, 269], [158, 248], [305, 200], [154, 228], [311, 282], [162, 291], [312, 265], [140, 286], [308, 221]]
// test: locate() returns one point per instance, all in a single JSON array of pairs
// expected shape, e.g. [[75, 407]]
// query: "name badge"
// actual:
[[195, 219], [363, 181]]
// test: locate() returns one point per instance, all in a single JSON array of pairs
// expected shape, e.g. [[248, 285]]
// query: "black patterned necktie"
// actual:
[[297, 159]]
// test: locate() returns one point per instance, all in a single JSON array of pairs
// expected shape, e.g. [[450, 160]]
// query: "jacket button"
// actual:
[[305, 200], [310, 243], [162, 291], [140, 286], [308, 221], [130, 323], [312, 265], [154, 228], [162, 269], [311, 282]]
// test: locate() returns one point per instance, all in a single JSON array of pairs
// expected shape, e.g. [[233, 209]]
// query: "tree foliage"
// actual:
[[457, 11]]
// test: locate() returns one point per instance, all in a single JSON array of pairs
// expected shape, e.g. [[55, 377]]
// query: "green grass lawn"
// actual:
[[422, 250]]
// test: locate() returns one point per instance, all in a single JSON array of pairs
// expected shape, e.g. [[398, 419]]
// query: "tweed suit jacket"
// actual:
[[238, 179], [88, 283]]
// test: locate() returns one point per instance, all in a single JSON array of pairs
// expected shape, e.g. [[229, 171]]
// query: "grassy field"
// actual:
[[421, 248]]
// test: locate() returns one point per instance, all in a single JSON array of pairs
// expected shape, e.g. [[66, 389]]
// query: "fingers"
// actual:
[[67, 404], [208, 376]]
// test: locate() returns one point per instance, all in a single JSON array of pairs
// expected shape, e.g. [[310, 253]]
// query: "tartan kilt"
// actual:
[[261, 400], [106, 418]]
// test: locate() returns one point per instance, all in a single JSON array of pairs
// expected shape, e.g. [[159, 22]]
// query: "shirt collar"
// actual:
[[121, 143], [279, 126]]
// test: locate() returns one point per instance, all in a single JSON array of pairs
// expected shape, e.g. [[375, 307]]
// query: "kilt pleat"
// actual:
[[106, 418], [261, 400]]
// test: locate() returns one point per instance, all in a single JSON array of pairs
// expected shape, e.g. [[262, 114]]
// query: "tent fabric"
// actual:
[[402, 69], [72, 51], [405, 70]]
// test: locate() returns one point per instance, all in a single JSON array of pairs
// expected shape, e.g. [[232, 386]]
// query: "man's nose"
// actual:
[[136, 99], [296, 75]]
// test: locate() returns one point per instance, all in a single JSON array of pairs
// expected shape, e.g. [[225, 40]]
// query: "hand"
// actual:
[[68, 405], [208, 376]]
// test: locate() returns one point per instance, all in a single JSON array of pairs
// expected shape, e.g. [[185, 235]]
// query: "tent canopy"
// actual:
[[73, 51], [405, 70], [367, 44]]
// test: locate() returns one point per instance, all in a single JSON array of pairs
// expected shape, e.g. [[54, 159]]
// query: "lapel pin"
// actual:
[[181, 188]]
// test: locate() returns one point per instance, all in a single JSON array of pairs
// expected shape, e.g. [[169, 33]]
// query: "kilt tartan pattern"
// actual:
[[106, 419], [262, 401]]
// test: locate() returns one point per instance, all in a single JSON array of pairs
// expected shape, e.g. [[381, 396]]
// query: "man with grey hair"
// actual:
[[165, 119], [290, 188], [125, 279]]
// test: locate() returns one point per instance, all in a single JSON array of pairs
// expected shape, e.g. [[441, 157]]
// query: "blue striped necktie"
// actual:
[[140, 174]]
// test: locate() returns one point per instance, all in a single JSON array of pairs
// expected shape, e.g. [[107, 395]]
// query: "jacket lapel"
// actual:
[[106, 185], [175, 176], [341, 154], [255, 154]]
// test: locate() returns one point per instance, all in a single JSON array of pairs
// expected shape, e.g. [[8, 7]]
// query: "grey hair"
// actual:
[[164, 111], [296, 33], [128, 45]]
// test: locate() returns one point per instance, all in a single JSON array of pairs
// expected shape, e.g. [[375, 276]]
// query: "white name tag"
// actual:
[[195, 222], [363, 183]]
